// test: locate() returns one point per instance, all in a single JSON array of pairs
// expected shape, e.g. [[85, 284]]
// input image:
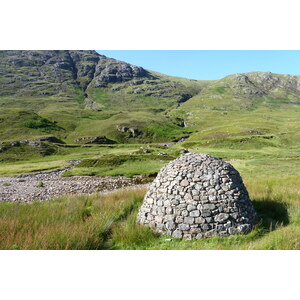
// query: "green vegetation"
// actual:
[[55, 103], [40, 184], [127, 165], [109, 222], [67, 223], [40, 123]]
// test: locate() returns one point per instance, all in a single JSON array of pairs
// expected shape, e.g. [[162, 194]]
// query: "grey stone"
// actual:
[[169, 217], [170, 225], [188, 220], [212, 198], [184, 183], [158, 219], [210, 233], [205, 227], [206, 213], [195, 213], [179, 219], [184, 213], [177, 234], [200, 220], [208, 206], [183, 227], [191, 207], [195, 192], [195, 230], [160, 226], [199, 236], [196, 196], [221, 217], [169, 210]]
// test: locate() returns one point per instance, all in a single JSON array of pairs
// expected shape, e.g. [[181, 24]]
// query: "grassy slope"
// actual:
[[225, 115], [54, 84], [137, 111]]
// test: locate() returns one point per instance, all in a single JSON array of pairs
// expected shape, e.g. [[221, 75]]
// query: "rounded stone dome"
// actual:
[[196, 196]]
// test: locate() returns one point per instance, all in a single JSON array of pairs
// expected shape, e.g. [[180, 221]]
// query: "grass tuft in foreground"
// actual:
[[70, 222]]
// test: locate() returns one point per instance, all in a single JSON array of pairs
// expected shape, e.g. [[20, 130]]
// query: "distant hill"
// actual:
[[87, 94], [78, 96]]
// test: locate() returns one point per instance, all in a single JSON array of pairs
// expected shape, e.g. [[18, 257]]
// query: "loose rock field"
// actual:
[[43, 186]]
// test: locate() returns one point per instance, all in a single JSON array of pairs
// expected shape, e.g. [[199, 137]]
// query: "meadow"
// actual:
[[109, 221]]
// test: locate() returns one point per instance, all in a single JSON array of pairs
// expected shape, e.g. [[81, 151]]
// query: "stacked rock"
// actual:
[[197, 196]]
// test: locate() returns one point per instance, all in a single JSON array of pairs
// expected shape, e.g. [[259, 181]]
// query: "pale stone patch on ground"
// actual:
[[45, 186]]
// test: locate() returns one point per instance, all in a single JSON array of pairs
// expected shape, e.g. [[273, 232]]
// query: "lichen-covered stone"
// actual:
[[197, 196]]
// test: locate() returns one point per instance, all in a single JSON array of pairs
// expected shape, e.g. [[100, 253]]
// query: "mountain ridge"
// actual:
[[78, 94]]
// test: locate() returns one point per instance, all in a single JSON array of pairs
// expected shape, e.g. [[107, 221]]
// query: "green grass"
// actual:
[[125, 165], [117, 159], [81, 223], [30, 161], [109, 222]]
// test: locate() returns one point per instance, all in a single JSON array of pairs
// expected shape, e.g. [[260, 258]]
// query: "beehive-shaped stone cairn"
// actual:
[[197, 196]]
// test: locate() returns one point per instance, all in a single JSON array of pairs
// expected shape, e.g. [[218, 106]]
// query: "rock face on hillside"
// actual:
[[117, 72], [68, 73], [258, 84], [59, 72], [196, 196]]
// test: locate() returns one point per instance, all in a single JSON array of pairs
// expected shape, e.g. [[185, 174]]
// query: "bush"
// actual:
[[40, 123]]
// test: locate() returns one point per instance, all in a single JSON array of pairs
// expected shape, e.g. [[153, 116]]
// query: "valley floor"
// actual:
[[108, 221]]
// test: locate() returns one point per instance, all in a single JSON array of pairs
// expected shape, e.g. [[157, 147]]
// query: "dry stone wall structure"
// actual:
[[197, 196]]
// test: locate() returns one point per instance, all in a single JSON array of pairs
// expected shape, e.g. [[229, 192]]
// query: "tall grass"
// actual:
[[109, 222], [70, 222]]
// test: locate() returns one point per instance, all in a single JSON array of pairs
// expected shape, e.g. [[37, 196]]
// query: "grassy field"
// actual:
[[109, 221], [271, 174]]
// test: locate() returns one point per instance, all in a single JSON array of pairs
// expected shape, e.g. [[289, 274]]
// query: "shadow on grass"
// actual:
[[271, 213]]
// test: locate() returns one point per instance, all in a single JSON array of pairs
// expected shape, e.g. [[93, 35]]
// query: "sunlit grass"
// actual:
[[109, 222]]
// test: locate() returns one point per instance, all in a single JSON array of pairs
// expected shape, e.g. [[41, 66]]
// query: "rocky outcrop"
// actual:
[[116, 71], [58, 72], [61, 72], [95, 140], [197, 196], [258, 84], [43, 143], [132, 132], [91, 104]]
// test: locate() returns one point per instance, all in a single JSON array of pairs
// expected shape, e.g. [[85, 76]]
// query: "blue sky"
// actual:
[[210, 64]]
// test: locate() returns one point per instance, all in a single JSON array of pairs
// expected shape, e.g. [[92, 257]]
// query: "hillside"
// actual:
[[80, 94], [81, 97], [245, 111]]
